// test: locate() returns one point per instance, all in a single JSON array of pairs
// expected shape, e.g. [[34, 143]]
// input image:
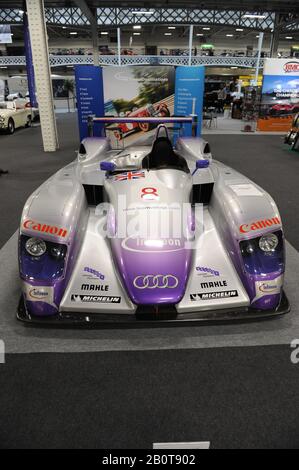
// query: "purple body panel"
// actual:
[[266, 302], [152, 275], [40, 308]]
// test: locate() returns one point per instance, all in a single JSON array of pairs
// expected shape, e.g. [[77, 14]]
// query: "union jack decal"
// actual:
[[130, 175]]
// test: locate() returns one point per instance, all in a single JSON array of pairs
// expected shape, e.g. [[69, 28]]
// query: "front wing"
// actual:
[[146, 316]]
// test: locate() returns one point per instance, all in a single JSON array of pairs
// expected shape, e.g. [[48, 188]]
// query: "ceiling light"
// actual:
[[3, 67], [167, 34], [104, 33], [73, 33], [206, 29], [234, 67], [257, 36], [199, 34], [171, 27], [21, 12], [63, 27], [136, 26], [289, 37], [229, 35], [140, 12], [136, 34], [239, 29], [253, 16]]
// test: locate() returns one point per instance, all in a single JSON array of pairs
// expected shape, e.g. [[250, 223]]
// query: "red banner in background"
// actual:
[[280, 95]]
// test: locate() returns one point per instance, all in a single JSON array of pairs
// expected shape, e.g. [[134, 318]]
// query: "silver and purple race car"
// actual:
[[150, 233]]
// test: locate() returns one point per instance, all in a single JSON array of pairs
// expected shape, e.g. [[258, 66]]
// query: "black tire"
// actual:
[[11, 126], [295, 141], [29, 121], [287, 138]]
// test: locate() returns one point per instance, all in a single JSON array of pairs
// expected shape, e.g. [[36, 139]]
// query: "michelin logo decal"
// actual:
[[214, 295], [95, 298]]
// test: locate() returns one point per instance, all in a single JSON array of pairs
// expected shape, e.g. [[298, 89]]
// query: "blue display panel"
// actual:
[[90, 97], [189, 89]]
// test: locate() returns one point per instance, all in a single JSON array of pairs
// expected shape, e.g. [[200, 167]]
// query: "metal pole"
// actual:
[[275, 36], [260, 43], [118, 46], [95, 43], [40, 55], [190, 44], [29, 61]]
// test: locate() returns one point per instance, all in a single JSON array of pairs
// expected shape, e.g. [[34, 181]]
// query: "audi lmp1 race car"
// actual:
[[146, 233]]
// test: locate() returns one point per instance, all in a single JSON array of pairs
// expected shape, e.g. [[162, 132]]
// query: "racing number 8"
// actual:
[[149, 192]]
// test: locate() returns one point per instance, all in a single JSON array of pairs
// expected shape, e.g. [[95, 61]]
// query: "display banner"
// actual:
[[136, 91], [90, 96], [189, 89], [280, 94]]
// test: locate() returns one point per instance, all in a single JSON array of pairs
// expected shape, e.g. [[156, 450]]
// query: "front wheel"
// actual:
[[144, 126], [164, 112], [10, 126], [117, 135], [29, 122], [294, 146]]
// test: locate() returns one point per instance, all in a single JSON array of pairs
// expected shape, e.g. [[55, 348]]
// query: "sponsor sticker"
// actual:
[[130, 175], [94, 273], [259, 225], [161, 245], [268, 287], [95, 299], [203, 270], [95, 287], [39, 293], [213, 284], [45, 228], [214, 295]]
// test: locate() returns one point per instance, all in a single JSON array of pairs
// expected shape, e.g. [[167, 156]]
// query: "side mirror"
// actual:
[[202, 164], [107, 166]]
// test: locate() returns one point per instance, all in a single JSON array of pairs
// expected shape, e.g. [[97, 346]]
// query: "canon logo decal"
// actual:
[[260, 224], [44, 228], [291, 67]]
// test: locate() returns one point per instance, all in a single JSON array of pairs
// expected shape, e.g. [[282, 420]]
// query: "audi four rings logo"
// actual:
[[156, 281]]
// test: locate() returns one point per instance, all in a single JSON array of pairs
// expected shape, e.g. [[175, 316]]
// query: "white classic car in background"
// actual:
[[14, 114]]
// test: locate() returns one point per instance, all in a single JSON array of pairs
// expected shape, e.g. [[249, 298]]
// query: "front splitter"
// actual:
[[80, 319]]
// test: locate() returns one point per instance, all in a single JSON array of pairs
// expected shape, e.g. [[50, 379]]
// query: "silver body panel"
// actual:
[[206, 284]]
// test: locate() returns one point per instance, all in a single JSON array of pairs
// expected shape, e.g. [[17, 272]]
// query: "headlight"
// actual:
[[268, 242], [58, 251], [36, 247]]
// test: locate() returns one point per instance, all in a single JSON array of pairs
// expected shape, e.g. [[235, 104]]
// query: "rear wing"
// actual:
[[152, 120]]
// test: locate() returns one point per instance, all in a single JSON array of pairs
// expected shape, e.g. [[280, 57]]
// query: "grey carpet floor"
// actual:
[[232, 397]]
